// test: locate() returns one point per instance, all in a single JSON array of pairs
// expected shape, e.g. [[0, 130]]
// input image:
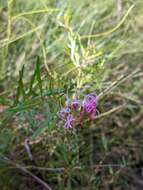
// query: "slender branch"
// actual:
[[27, 147], [40, 181], [23, 169]]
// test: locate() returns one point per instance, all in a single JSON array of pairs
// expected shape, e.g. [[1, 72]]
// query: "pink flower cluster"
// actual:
[[76, 111]]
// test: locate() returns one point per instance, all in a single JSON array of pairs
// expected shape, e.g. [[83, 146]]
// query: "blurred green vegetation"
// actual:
[[49, 49]]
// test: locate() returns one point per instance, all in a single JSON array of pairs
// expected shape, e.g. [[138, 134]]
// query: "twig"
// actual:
[[23, 169], [45, 169], [26, 145], [110, 111], [34, 176]]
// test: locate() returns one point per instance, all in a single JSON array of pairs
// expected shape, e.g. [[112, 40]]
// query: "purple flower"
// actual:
[[63, 113], [89, 106], [69, 122], [75, 104]]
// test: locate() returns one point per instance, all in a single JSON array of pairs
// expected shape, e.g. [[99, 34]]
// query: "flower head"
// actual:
[[63, 113], [75, 104], [89, 106], [69, 122], [76, 111]]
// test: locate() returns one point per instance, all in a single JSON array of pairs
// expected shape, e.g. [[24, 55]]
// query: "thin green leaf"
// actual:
[[38, 75], [20, 89]]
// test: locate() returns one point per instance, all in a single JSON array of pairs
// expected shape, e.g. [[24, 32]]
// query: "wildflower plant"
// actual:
[[77, 111]]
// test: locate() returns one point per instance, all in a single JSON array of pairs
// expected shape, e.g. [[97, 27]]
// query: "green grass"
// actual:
[[53, 49]]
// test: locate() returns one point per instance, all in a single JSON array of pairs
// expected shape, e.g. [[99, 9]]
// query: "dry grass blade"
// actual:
[[111, 30], [111, 111], [116, 83]]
